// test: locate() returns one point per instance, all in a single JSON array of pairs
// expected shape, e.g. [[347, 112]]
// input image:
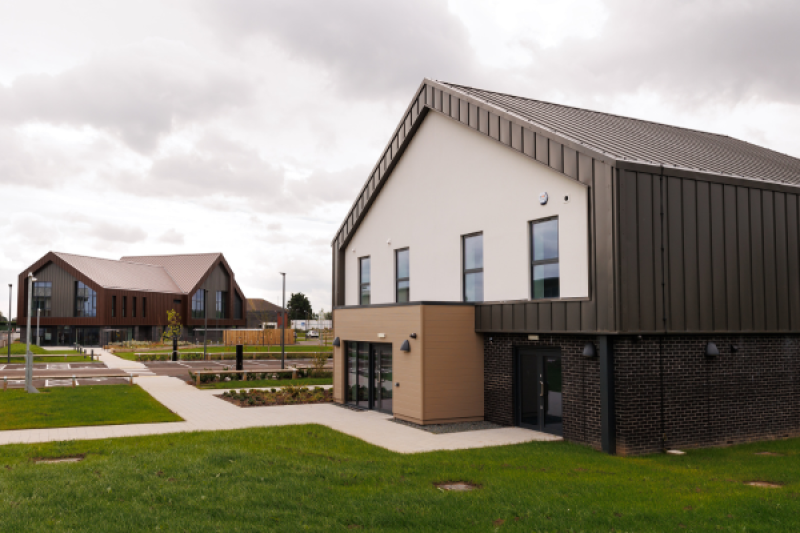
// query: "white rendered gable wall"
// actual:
[[452, 181]]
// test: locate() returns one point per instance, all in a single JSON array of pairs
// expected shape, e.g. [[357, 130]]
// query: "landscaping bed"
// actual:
[[289, 395], [255, 383], [249, 378]]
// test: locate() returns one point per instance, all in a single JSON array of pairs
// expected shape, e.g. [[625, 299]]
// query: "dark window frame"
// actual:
[[361, 283], [124, 307], [397, 278], [113, 306], [144, 306], [219, 305], [465, 270], [198, 304], [46, 300], [532, 264]]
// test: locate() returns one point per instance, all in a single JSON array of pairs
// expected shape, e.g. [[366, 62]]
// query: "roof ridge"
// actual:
[[107, 259], [589, 110], [175, 255]]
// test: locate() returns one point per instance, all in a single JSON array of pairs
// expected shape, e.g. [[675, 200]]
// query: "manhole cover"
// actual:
[[763, 484], [53, 460], [457, 486]]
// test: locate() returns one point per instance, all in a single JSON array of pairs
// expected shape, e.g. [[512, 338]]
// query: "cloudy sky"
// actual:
[[246, 127]]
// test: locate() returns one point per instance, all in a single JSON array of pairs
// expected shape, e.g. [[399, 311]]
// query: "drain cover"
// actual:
[[53, 460], [763, 484], [457, 486]]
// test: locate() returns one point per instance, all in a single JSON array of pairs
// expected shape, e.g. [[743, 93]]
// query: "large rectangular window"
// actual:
[[144, 306], [113, 307], [222, 298], [124, 306], [199, 304], [364, 276], [402, 278], [85, 300], [473, 267], [42, 297], [544, 259], [133, 307]]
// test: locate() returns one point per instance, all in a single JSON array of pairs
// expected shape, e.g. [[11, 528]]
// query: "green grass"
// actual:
[[130, 356], [69, 359], [19, 349], [80, 406], [256, 383], [310, 478]]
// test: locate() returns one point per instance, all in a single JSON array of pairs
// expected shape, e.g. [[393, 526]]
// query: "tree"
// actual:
[[299, 307], [174, 327]]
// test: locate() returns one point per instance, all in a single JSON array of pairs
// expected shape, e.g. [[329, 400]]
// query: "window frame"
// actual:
[[113, 306], [219, 305], [46, 300], [124, 307], [201, 301], [465, 270], [361, 283], [533, 263], [397, 278]]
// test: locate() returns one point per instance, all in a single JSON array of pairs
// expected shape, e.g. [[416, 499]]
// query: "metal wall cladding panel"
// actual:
[[719, 292], [487, 314], [446, 104], [585, 169], [559, 316], [463, 112], [573, 316], [505, 131], [528, 142], [793, 258], [494, 126], [438, 98], [556, 160], [455, 107], [757, 259], [519, 317], [62, 300], [508, 317], [705, 276], [604, 247], [782, 261], [770, 260], [497, 317], [675, 277], [541, 148], [732, 258], [744, 258], [545, 317], [690, 271], [628, 223], [532, 317], [647, 224], [483, 121], [570, 162], [473, 116], [516, 137], [659, 270]]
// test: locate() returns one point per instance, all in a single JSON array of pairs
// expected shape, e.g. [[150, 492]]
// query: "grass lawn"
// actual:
[[19, 349], [80, 406], [69, 359], [256, 383], [297, 478], [291, 351]]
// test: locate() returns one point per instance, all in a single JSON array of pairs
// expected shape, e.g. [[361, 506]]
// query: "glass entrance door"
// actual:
[[369, 375], [539, 390]]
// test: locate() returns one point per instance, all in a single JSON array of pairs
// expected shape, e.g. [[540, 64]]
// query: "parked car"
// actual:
[[312, 333]]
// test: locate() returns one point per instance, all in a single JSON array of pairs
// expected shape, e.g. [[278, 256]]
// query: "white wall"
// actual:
[[452, 181]]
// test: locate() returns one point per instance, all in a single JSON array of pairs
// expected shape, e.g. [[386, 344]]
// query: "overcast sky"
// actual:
[[246, 127]]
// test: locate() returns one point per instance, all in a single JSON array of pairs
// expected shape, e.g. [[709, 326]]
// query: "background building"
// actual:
[[94, 301]]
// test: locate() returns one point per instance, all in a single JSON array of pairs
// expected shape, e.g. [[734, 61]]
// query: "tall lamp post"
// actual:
[[9, 324], [205, 324], [28, 355], [283, 323], [38, 335]]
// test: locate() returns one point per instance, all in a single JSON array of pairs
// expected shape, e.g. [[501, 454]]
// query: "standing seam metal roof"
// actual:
[[186, 270], [638, 140], [127, 275]]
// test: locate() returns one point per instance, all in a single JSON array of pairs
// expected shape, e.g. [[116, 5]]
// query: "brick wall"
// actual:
[[750, 395], [580, 383]]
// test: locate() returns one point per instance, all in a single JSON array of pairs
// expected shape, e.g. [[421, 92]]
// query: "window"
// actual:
[[85, 300], [124, 306], [133, 308], [237, 306], [473, 267], [403, 290], [544, 259], [222, 297], [144, 306], [364, 277], [42, 297], [113, 307], [199, 304]]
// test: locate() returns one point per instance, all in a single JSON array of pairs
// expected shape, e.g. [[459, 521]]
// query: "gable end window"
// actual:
[[144, 306], [133, 308], [364, 276], [42, 297], [545, 279], [199, 304], [221, 306], [124, 306], [113, 307], [472, 261], [402, 278]]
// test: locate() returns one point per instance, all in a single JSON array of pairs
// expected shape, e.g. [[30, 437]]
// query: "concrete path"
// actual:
[[203, 411]]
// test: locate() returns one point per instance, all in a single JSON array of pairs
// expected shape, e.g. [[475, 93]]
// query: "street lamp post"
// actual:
[[28, 355], [9, 324], [283, 323], [205, 324], [38, 335]]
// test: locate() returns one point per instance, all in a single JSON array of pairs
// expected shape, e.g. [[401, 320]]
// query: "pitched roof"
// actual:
[[127, 275], [186, 270], [631, 139], [260, 305]]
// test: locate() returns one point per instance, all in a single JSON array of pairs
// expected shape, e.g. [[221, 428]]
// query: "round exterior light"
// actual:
[[543, 198], [711, 350], [589, 351]]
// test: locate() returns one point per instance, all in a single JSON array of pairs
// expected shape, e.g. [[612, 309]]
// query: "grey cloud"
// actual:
[[138, 93], [172, 236], [371, 49]]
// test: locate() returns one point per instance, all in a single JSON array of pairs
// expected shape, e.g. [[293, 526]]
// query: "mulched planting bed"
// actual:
[[290, 395]]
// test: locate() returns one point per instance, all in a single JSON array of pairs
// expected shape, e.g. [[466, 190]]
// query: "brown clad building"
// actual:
[[93, 301]]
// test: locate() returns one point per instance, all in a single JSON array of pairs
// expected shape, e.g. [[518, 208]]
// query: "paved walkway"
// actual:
[[202, 411]]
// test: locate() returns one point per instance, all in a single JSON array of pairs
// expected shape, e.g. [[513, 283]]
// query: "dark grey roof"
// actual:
[[637, 140]]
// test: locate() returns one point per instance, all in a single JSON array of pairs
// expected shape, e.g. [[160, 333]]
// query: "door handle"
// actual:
[[541, 392]]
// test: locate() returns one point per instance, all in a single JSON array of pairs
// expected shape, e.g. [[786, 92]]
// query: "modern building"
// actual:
[[261, 312], [94, 301], [629, 285]]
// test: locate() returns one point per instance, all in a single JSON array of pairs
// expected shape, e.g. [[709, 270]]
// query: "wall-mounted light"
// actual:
[[337, 342], [734, 348], [413, 335], [589, 350], [711, 350], [405, 347]]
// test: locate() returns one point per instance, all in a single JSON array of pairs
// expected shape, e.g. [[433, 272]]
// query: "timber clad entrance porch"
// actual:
[[369, 376]]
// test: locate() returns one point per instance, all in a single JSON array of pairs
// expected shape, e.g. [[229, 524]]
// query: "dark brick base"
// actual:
[[667, 393]]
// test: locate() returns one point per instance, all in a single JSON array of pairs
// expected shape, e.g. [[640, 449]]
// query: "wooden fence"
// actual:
[[256, 337]]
